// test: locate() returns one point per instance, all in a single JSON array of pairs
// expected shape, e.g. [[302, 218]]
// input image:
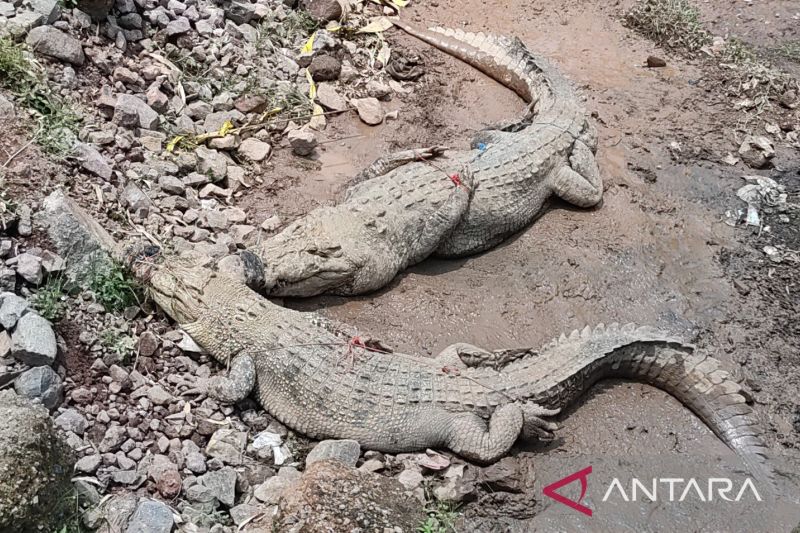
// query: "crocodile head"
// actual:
[[303, 261]]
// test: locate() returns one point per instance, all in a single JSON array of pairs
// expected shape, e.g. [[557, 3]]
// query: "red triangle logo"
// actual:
[[583, 476]]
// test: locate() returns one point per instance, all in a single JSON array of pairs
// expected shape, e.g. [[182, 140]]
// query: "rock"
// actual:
[[77, 236], [147, 345], [410, 478], [29, 267], [12, 309], [378, 89], [227, 445], [303, 141], [89, 464], [132, 112], [158, 395], [215, 121], [127, 76], [757, 151], [72, 420], [33, 341], [177, 27], [272, 489], [244, 512], [171, 185], [369, 110], [112, 514], [151, 516], [134, 198], [97, 9], [655, 62], [6, 108], [43, 384], [251, 104], [240, 11], [7, 10], [36, 467], [113, 439], [333, 497], [322, 10], [329, 98], [22, 23], [344, 451], [54, 43], [24, 227], [211, 163], [196, 462], [254, 150], [92, 160], [157, 99], [509, 474], [325, 68], [166, 476], [222, 484]]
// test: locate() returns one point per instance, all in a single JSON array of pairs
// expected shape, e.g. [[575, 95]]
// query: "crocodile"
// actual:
[[305, 371], [362, 243]]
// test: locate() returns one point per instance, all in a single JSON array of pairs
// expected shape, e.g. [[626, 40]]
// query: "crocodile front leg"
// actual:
[[239, 382]]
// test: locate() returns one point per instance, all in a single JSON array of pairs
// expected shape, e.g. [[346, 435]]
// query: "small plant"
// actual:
[[57, 123], [671, 23], [113, 287], [49, 299], [117, 342], [737, 52], [275, 33], [441, 518], [790, 50]]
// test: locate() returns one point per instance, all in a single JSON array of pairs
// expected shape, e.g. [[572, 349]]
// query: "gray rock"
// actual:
[[157, 99], [329, 98], [254, 150], [5, 345], [96, 9], [41, 383], [36, 467], [33, 341], [113, 439], [48, 9], [271, 490], [215, 121], [6, 108], [88, 464], [77, 237], [19, 26], [132, 112], [242, 513], [171, 184], [369, 110], [125, 477], [196, 462], [55, 43], [757, 151], [112, 514], [222, 484], [303, 141], [7, 9], [151, 516], [92, 160], [240, 11], [345, 451], [227, 445], [12, 309], [158, 395], [410, 479], [325, 68], [71, 420], [134, 198], [179, 26], [29, 267], [211, 163]]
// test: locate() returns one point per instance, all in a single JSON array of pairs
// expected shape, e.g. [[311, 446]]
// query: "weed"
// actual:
[[790, 50], [273, 33], [117, 342], [68, 4], [671, 23], [441, 518], [737, 52], [57, 123], [49, 299], [113, 287]]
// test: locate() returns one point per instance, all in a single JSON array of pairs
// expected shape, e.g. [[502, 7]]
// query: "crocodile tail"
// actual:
[[498, 57], [570, 365]]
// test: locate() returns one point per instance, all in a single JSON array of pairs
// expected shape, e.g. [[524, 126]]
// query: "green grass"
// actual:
[[790, 50], [49, 299], [441, 519], [737, 52], [114, 288], [672, 24], [118, 342], [57, 124], [273, 33]]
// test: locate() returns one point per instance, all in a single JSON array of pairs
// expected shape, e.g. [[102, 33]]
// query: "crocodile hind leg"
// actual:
[[237, 384], [386, 164], [463, 355], [579, 182], [468, 435]]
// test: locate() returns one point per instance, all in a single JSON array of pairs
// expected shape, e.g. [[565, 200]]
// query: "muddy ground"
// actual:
[[657, 251]]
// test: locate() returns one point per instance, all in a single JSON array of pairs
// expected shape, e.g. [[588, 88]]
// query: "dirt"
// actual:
[[657, 251]]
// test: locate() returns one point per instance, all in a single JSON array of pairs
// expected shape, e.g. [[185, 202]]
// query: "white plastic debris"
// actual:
[[760, 192]]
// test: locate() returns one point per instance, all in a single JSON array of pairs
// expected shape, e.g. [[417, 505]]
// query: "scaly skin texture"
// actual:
[[400, 210], [476, 403]]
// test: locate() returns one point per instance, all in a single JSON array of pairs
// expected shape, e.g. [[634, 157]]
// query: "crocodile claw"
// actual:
[[535, 426]]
